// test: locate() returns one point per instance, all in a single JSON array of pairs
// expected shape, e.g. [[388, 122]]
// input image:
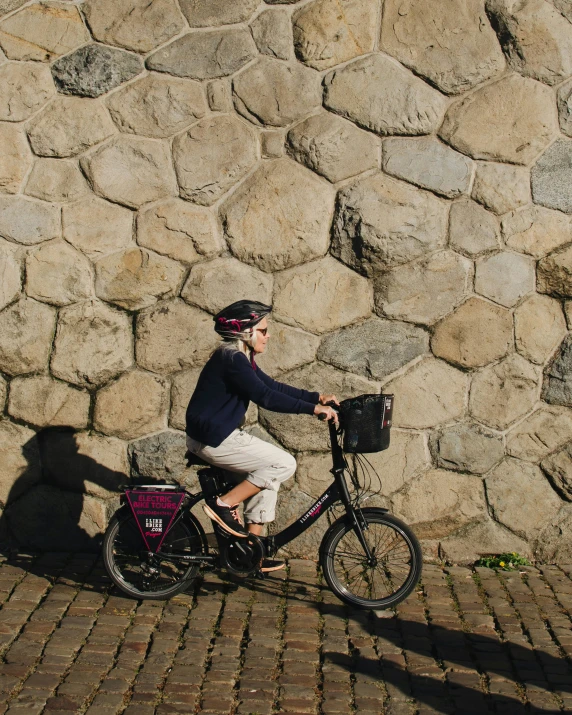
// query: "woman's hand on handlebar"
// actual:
[[324, 412], [325, 399]]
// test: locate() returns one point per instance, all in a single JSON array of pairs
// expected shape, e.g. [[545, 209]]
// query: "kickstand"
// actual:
[[260, 575]]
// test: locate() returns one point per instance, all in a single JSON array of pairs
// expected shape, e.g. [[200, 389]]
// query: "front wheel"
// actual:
[[392, 573], [151, 576]]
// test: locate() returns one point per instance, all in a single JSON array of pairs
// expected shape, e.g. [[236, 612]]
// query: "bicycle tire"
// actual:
[[124, 557], [344, 563]]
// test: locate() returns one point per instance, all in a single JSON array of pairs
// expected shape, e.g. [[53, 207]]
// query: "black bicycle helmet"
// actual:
[[238, 317]]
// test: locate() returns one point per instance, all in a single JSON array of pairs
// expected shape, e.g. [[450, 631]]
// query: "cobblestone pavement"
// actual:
[[465, 642]]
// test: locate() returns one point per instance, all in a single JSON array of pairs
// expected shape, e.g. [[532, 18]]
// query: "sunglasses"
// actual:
[[264, 331]]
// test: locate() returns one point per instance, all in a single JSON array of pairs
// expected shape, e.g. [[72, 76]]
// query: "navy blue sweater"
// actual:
[[226, 385]]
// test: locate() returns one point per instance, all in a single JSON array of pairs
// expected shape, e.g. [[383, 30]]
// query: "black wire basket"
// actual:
[[366, 422]]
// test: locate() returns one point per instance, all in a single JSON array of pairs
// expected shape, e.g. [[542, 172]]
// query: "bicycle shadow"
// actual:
[[62, 498], [471, 654]]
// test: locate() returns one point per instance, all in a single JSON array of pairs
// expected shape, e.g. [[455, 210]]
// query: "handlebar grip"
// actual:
[[322, 417]]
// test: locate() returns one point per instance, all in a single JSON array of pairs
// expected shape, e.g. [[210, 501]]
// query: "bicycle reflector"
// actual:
[[366, 421]]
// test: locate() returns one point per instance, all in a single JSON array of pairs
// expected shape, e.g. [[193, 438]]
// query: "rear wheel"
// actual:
[[151, 576], [384, 581]]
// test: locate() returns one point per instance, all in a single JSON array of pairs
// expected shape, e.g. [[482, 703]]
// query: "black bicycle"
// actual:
[[154, 546]]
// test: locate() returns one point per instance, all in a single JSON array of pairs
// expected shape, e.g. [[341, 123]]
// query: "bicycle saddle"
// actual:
[[193, 460]]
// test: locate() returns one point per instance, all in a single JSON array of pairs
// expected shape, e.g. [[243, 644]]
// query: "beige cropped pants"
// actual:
[[265, 465]]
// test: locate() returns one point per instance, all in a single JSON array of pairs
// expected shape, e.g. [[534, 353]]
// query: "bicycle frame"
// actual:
[[337, 491]]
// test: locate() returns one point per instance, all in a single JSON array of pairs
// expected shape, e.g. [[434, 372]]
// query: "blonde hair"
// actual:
[[243, 345]]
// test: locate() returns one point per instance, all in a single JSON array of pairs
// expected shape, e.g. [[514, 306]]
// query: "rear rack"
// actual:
[[152, 486]]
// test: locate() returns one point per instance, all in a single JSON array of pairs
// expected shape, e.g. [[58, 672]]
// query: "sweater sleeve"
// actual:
[[245, 381], [312, 397]]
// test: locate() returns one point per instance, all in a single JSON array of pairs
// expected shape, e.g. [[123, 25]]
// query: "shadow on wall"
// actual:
[[62, 499]]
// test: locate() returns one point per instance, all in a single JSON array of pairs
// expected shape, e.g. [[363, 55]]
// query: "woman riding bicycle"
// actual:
[[228, 382]]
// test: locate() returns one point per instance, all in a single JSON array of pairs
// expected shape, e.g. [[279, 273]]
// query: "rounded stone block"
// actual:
[[56, 180], [20, 459], [557, 388], [206, 13], [172, 336], [42, 32], [453, 45], [539, 434], [424, 290], [288, 349], [94, 70], [134, 405], [439, 502], [406, 457], [535, 230], [482, 539], [378, 94], [327, 33], [505, 392], [296, 290], [501, 187], [333, 147], [551, 177], [269, 221], [135, 24], [303, 433], [539, 327], [564, 96], [505, 277], [313, 474], [467, 447], [521, 497], [10, 274], [68, 126], [58, 274], [553, 543], [554, 273], [381, 222], [24, 89], [205, 55], [472, 229], [180, 231], [536, 40], [137, 278], [375, 348], [27, 221], [52, 519], [182, 387], [93, 344], [512, 120], [15, 158], [212, 285], [45, 402], [458, 338], [27, 329], [160, 457], [272, 32], [273, 93], [558, 469], [157, 106], [85, 462], [428, 163], [97, 227], [131, 171], [212, 156], [428, 394]]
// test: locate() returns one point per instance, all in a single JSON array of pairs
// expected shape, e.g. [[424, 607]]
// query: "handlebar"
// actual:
[[331, 404]]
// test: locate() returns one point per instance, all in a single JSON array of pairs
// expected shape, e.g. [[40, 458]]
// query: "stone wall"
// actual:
[[395, 177]]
